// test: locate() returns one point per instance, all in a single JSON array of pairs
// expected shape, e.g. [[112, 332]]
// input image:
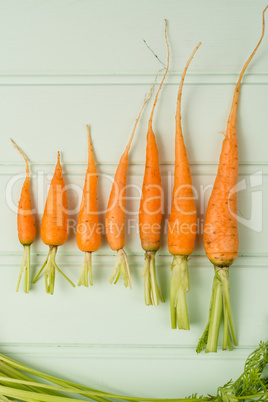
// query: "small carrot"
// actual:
[[88, 236], [54, 227], [25, 224], [220, 229], [150, 213], [182, 222], [115, 216]]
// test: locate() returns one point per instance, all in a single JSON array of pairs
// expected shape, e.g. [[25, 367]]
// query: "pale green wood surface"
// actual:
[[65, 64]]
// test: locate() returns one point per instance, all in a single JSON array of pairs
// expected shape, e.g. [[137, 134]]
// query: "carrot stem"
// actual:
[[219, 304], [27, 271], [204, 338], [224, 275], [153, 281], [179, 285], [215, 316], [147, 286], [50, 266], [40, 271], [25, 265], [121, 268], [13, 365], [225, 328], [86, 271], [229, 342], [152, 293], [66, 277]]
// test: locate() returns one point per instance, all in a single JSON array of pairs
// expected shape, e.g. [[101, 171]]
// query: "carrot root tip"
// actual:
[[219, 306], [179, 285], [121, 268], [86, 271], [50, 268], [25, 266], [152, 292]]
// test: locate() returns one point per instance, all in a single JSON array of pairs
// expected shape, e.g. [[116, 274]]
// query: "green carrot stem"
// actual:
[[40, 271], [22, 367], [153, 280], [225, 328], [64, 276], [204, 338], [86, 272], [11, 372], [29, 395], [229, 342], [152, 292], [121, 268], [50, 389], [50, 266], [5, 378], [25, 266], [215, 317], [179, 285], [224, 275], [20, 394], [19, 379], [147, 285], [27, 270], [83, 278], [89, 261], [220, 303]]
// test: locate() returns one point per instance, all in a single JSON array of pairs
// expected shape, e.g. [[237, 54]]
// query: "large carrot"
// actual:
[[150, 213], [182, 222], [220, 228], [54, 227], [25, 224], [115, 216], [88, 236]]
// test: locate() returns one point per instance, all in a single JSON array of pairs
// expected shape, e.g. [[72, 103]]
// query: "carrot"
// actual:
[[88, 236], [115, 215], [54, 227], [25, 224], [220, 229], [182, 222], [150, 213]]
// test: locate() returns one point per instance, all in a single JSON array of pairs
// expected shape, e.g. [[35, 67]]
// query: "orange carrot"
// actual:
[[182, 222], [220, 228], [25, 224], [150, 213], [88, 237], [115, 216], [54, 227]]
